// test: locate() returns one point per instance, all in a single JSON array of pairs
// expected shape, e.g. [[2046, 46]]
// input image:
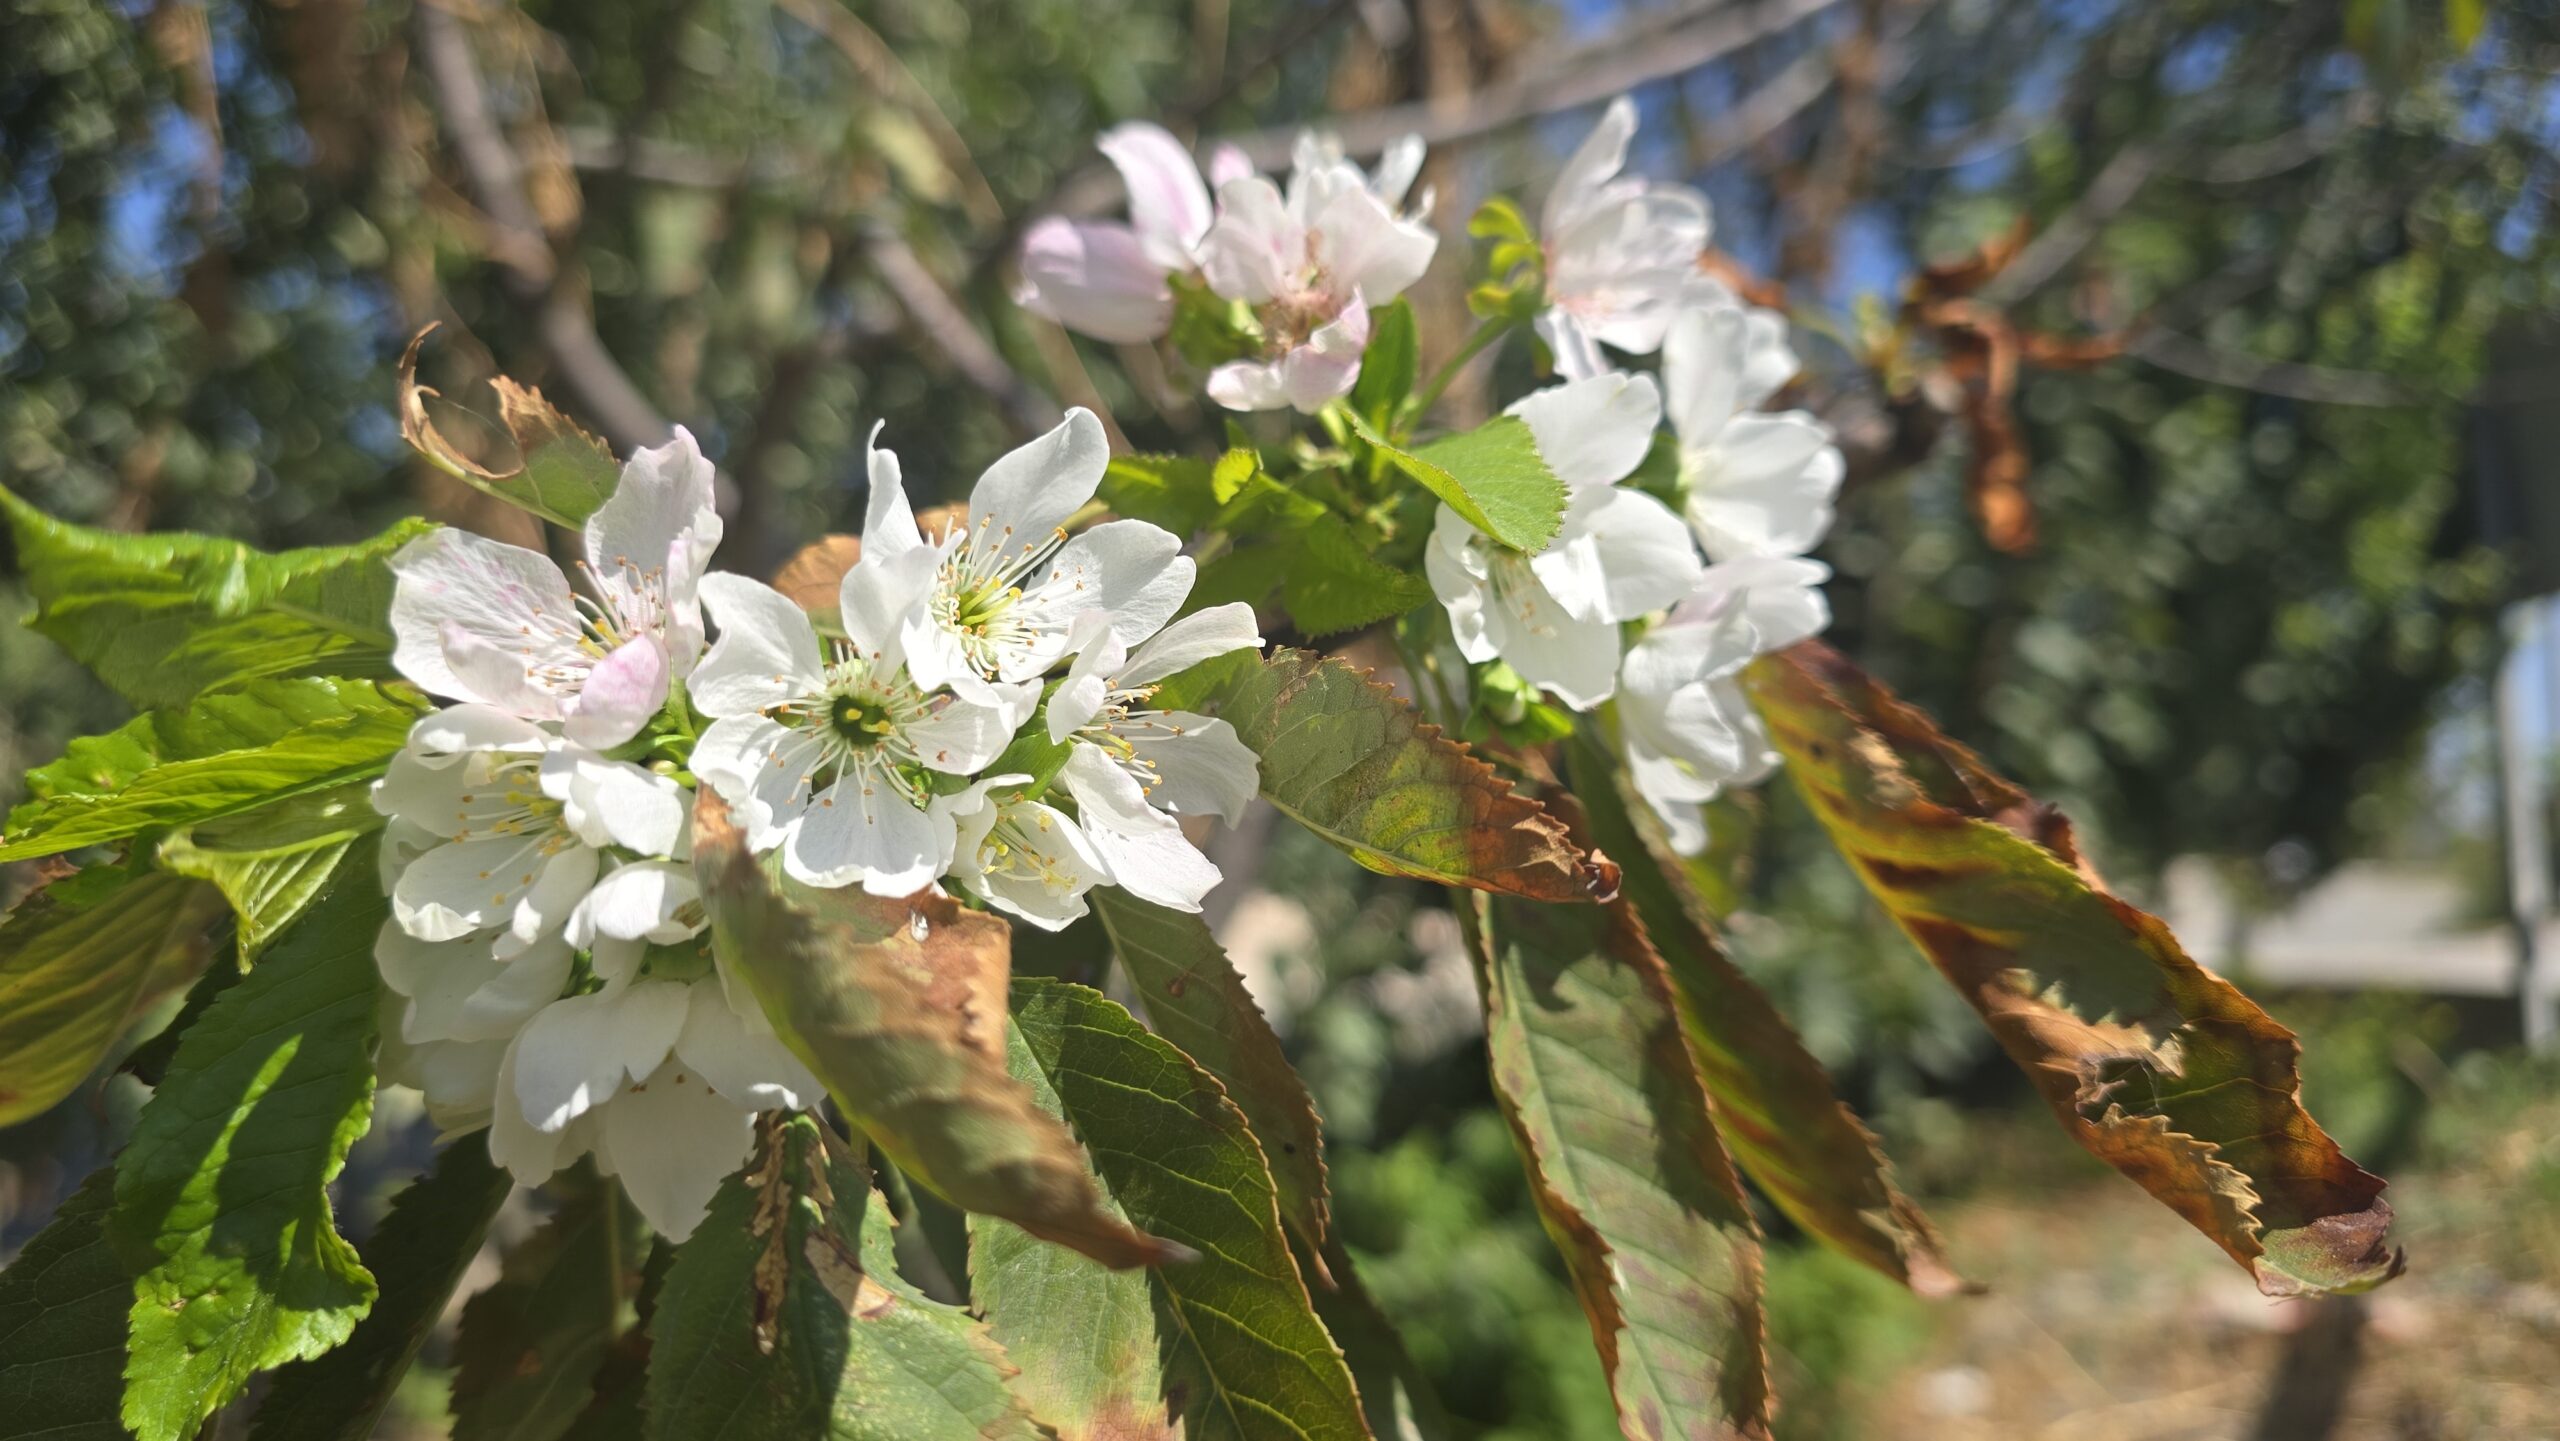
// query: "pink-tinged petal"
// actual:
[[1257, 250], [1367, 249], [497, 675], [624, 690], [504, 595], [1600, 156], [1329, 363], [1095, 279], [1168, 204], [1228, 162]]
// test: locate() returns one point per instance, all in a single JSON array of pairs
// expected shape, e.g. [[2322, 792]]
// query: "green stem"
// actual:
[[1486, 334]]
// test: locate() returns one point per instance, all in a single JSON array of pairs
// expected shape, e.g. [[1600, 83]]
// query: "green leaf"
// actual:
[[272, 862], [1332, 581], [1173, 491], [560, 472], [62, 1319], [785, 1316], [222, 1198], [1387, 367], [1625, 1164], [1772, 1101], [1498, 219], [220, 756], [1348, 760], [1492, 476], [525, 1360], [1233, 472], [2159, 1067], [162, 618], [898, 1006], [417, 1256], [1195, 998], [1229, 1343], [78, 964]]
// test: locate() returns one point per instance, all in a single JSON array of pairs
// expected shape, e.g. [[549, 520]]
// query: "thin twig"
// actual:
[[942, 323]]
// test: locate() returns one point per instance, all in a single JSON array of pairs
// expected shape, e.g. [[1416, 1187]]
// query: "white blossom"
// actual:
[[517, 816], [1311, 261], [1009, 583], [1688, 729], [1618, 555], [1621, 252], [1756, 483], [1024, 856], [1107, 279], [821, 751], [481, 621]]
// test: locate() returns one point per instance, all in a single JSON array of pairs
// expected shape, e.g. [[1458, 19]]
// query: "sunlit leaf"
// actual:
[[898, 1006], [272, 862], [1625, 1164], [219, 756], [1227, 1346], [1491, 475], [1195, 999], [1351, 762], [1387, 366], [2161, 1068], [222, 1197], [558, 472], [162, 618], [784, 1316], [79, 963], [1771, 1100], [417, 1256]]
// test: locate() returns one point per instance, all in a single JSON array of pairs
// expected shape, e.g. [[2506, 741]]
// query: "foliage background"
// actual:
[[2267, 249]]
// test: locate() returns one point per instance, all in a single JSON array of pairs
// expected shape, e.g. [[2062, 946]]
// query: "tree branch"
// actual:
[[519, 246], [941, 322]]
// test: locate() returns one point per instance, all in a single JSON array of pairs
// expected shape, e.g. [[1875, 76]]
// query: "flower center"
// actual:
[[1516, 587], [860, 721], [977, 596]]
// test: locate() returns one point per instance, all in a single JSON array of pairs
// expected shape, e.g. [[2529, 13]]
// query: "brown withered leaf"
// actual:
[[559, 472], [814, 577], [899, 1007], [1343, 756], [1772, 1101], [2159, 1067]]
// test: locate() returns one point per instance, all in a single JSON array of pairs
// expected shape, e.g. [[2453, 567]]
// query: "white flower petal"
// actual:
[[622, 692], [880, 597], [745, 1064], [1202, 767], [1704, 358], [1256, 249], [502, 594], [767, 651], [858, 833], [1596, 431], [1619, 555], [639, 902], [889, 521], [960, 737], [649, 541], [1143, 847], [1328, 365], [1168, 202], [1095, 278], [1367, 250], [1030, 491], [574, 1055], [1248, 385], [1199, 636], [672, 1142]]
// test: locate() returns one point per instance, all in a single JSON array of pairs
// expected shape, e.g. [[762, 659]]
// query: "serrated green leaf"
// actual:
[[898, 1006], [1195, 998], [1348, 760], [1387, 366], [525, 1360], [2156, 1065], [76, 969], [62, 1318], [417, 1256], [162, 618], [272, 862], [1172, 491], [1772, 1101], [1625, 1164], [784, 1316], [560, 472], [1332, 581], [1492, 476], [222, 1199], [221, 755], [1228, 1343]]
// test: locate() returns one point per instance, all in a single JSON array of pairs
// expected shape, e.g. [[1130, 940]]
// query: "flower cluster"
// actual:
[[545, 954], [1725, 579], [1308, 259]]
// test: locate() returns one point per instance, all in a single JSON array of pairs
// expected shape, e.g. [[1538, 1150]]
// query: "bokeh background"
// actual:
[[2195, 359]]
